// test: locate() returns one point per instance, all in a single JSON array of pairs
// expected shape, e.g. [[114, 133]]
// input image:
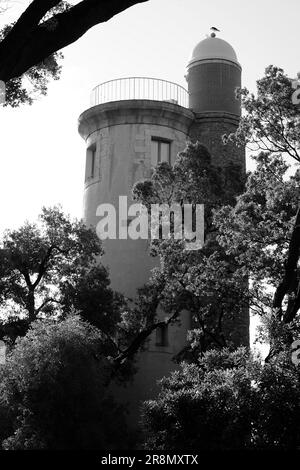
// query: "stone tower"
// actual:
[[132, 125]]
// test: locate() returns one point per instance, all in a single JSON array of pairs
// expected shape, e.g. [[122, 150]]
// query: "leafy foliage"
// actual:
[[224, 399], [228, 400], [54, 384], [263, 229], [52, 268], [257, 230], [271, 122], [204, 281], [34, 82], [40, 261], [29, 47]]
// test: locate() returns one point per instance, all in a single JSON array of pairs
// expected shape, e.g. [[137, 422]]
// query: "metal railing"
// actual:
[[139, 88]]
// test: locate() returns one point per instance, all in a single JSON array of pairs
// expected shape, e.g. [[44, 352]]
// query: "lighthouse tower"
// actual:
[[134, 124]]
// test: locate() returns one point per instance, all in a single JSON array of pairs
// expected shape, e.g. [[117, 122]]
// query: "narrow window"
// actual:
[[160, 151], [162, 336], [90, 162], [165, 152]]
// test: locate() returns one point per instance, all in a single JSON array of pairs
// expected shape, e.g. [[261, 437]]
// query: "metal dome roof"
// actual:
[[213, 48]]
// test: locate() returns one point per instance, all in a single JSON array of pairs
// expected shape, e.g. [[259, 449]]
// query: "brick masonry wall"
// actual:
[[209, 131]]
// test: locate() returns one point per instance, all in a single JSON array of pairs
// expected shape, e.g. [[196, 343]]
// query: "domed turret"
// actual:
[[213, 75], [213, 48]]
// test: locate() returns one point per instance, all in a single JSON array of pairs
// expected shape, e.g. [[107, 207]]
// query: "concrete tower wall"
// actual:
[[120, 134]]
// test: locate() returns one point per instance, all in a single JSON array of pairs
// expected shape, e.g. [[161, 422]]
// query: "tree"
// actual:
[[261, 232], [50, 268], [227, 401], [54, 385], [48, 271], [272, 125], [221, 398], [201, 282], [29, 47], [271, 122]]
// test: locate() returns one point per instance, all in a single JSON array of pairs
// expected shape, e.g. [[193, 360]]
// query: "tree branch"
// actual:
[[43, 265], [133, 348], [26, 45], [28, 21], [43, 304]]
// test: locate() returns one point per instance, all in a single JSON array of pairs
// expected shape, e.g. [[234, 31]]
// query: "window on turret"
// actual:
[[162, 336], [160, 151], [90, 162]]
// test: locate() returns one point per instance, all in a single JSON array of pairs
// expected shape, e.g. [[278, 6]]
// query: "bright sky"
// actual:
[[42, 157]]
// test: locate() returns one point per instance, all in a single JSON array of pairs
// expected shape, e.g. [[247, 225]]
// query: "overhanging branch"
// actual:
[[28, 44], [136, 344]]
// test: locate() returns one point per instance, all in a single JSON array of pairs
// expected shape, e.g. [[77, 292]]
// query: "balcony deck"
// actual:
[[139, 88]]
